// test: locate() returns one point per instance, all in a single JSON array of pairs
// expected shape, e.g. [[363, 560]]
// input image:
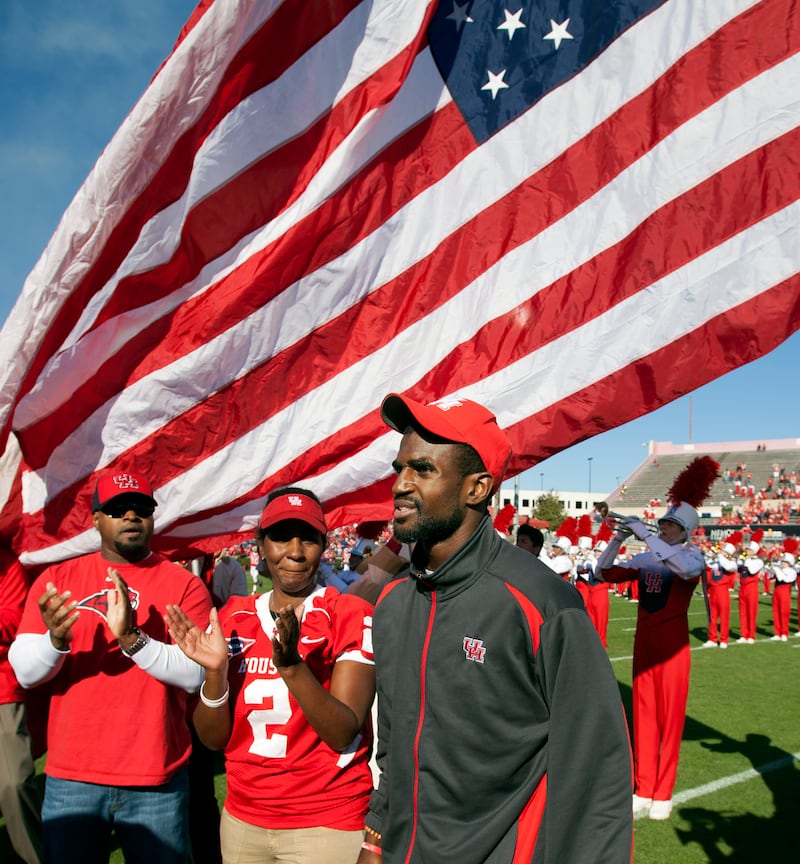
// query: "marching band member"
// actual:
[[584, 564], [593, 589], [562, 561], [668, 573], [766, 576], [785, 578], [721, 578], [750, 571]]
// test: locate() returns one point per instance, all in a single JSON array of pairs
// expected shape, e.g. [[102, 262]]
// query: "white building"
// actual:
[[574, 503]]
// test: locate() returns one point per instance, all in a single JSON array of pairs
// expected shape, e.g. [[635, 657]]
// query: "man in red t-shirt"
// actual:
[[118, 742]]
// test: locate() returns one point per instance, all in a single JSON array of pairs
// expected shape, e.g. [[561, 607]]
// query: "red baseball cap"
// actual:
[[294, 505], [116, 483], [459, 420]]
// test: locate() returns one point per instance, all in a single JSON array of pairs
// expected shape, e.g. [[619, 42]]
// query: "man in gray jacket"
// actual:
[[501, 733]]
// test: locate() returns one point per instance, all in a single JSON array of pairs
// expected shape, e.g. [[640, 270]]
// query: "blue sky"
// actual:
[[70, 72]]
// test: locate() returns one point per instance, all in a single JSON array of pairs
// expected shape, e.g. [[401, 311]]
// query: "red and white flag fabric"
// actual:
[[572, 221]]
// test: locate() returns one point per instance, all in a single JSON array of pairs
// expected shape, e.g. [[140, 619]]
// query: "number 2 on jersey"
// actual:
[[270, 745]]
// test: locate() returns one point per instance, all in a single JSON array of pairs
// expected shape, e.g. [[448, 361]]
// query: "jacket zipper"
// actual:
[[418, 736]]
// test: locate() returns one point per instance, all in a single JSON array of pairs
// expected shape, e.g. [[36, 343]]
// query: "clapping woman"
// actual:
[[289, 682]]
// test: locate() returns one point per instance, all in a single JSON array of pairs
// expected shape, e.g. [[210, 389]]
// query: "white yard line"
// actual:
[[765, 640], [741, 777], [732, 780]]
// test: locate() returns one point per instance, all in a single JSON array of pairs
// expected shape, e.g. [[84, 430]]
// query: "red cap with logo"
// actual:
[[116, 483], [294, 505], [459, 420]]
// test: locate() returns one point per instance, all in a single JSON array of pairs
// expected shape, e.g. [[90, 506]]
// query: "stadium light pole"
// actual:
[[541, 481], [589, 460]]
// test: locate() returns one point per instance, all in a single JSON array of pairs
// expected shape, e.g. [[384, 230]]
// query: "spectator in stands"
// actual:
[[530, 539], [20, 800], [388, 563], [229, 578], [362, 549], [329, 577], [256, 567]]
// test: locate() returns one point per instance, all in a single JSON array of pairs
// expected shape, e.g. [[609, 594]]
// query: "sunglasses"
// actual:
[[117, 509]]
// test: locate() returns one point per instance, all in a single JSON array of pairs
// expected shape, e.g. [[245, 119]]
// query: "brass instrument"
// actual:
[[616, 522]]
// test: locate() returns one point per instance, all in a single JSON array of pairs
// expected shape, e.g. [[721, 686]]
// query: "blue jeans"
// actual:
[[150, 822]]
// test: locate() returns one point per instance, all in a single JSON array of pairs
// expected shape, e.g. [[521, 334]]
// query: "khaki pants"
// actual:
[[20, 799], [243, 843]]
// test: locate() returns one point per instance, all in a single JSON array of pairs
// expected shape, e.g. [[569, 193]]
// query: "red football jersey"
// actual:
[[280, 772], [110, 721]]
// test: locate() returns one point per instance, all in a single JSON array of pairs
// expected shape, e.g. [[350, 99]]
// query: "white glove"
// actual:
[[637, 528]]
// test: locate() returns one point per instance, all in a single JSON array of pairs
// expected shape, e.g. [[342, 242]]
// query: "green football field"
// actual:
[[738, 793]]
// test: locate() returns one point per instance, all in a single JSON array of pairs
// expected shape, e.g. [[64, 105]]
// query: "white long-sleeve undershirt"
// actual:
[[35, 660], [683, 559]]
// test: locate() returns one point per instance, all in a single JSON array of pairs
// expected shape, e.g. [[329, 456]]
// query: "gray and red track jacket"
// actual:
[[501, 734]]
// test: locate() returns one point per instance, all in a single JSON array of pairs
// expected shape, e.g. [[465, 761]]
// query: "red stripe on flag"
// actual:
[[666, 240], [651, 382], [556, 309], [273, 48], [316, 240], [522, 214], [758, 327], [258, 194], [676, 234]]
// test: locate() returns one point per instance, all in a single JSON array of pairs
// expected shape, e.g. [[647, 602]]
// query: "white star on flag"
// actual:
[[495, 82], [558, 32], [459, 15], [512, 23]]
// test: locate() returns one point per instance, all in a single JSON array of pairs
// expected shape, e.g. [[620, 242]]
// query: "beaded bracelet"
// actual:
[[371, 847], [214, 703]]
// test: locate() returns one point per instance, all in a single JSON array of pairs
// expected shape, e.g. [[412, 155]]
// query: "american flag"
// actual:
[[573, 212]]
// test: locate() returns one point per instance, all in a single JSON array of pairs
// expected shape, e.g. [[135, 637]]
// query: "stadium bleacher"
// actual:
[[774, 502]]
